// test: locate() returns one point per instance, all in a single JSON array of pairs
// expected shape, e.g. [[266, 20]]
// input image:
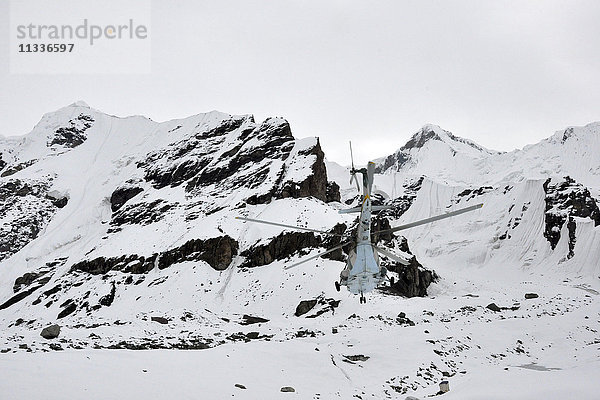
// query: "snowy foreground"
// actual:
[[547, 348]]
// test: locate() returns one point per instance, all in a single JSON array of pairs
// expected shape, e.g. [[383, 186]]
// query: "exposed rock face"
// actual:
[[240, 153], [217, 252], [30, 208], [2, 162], [314, 185], [108, 299], [413, 280], [123, 194], [13, 169], [280, 247], [25, 280], [564, 200], [74, 134], [50, 332], [333, 192], [141, 213]]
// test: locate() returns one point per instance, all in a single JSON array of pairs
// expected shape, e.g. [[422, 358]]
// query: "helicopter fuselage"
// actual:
[[363, 272]]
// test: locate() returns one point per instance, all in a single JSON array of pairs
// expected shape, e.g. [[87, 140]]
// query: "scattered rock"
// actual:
[[288, 389], [239, 385], [249, 320], [55, 347], [50, 332], [493, 307], [402, 320], [358, 357], [531, 295], [160, 320]]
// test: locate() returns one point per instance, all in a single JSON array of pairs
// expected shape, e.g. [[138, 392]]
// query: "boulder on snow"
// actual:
[[50, 332], [160, 320], [493, 307], [304, 307], [288, 389], [531, 295]]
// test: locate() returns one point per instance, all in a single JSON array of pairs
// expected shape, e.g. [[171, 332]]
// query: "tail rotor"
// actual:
[[353, 171]]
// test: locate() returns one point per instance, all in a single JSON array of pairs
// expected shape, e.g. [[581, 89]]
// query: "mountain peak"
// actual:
[[428, 132], [79, 103], [434, 132]]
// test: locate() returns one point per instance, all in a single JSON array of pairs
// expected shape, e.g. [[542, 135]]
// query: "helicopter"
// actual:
[[363, 271]]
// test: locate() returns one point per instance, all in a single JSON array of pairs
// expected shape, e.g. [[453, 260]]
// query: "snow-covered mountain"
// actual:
[[122, 231]]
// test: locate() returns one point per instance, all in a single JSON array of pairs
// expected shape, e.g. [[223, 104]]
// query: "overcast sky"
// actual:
[[502, 73]]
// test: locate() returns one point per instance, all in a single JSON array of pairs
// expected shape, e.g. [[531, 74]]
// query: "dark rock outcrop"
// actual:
[[25, 280], [217, 252], [123, 194], [305, 306], [28, 199], [69, 307], [108, 299], [564, 200], [333, 192], [314, 185], [325, 305], [50, 332], [74, 134], [14, 168], [413, 279], [280, 247], [160, 320], [141, 213]]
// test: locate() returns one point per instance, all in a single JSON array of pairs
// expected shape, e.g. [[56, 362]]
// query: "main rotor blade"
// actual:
[[318, 255], [290, 226], [351, 156], [394, 257], [432, 219]]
